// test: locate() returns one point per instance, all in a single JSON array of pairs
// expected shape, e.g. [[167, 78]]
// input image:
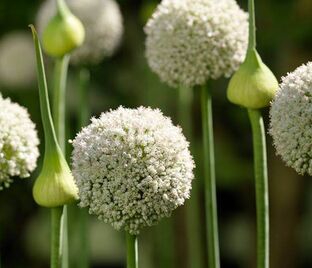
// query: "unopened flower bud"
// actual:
[[253, 85], [63, 33], [55, 185]]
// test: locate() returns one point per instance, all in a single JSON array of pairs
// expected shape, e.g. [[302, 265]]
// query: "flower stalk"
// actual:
[[261, 187], [132, 251], [209, 179], [192, 206]]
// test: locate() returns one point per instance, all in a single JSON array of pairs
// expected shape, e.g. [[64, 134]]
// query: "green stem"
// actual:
[[132, 251], [262, 192], [59, 98], [192, 206], [56, 237], [252, 25], [62, 8], [59, 104], [84, 114], [49, 132], [210, 181]]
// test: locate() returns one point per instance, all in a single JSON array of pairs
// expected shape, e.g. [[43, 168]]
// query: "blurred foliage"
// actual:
[[284, 41]]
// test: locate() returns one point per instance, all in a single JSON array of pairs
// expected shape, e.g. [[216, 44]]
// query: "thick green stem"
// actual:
[[195, 251], [252, 25], [262, 192], [56, 237], [210, 180], [59, 104], [132, 251], [84, 114], [59, 98]]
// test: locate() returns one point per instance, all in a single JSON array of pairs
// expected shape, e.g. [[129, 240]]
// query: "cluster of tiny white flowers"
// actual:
[[191, 41], [14, 72], [103, 24], [18, 142], [132, 167], [291, 119]]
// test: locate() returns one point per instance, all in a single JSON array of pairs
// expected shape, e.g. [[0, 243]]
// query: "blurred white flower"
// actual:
[[103, 24], [18, 142], [191, 41], [17, 60], [291, 119], [132, 167]]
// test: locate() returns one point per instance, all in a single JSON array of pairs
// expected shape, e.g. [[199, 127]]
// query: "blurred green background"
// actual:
[[284, 41]]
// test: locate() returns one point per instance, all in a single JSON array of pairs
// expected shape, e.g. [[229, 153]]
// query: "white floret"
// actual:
[[191, 41], [291, 119], [132, 167], [18, 142], [103, 24]]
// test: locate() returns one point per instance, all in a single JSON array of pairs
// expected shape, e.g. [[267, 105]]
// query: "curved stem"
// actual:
[[56, 238], [59, 104], [132, 251], [210, 181], [49, 132], [192, 206], [261, 184], [252, 25]]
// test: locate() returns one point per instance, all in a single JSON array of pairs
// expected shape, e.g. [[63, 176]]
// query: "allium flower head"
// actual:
[[191, 41], [18, 142], [291, 117], [103, 24], [132, 167], [14, 72]]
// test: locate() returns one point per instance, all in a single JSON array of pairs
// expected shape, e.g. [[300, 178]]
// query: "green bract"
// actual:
[[55, 185], [253, 85], [63, 33]]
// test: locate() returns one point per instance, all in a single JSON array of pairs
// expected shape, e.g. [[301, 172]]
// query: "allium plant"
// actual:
[[103, 24], [132, 168], [18, 142], [253, 86], [55, 187], [188, 43], [291, 115]]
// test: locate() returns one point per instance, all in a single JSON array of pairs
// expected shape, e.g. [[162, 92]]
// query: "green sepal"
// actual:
[[253, 85], [63, 33]]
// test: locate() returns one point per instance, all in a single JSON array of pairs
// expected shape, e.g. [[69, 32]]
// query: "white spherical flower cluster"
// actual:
[[191, 41], [14, 72], [132, 167], [18, 142], [291, 119], [103, 24]]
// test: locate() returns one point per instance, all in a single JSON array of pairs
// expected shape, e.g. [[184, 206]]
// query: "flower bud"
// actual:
[[55, 185], [253, 85], [63, 33]]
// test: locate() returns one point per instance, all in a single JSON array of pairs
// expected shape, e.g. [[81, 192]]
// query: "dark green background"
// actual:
[[284, 41]]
